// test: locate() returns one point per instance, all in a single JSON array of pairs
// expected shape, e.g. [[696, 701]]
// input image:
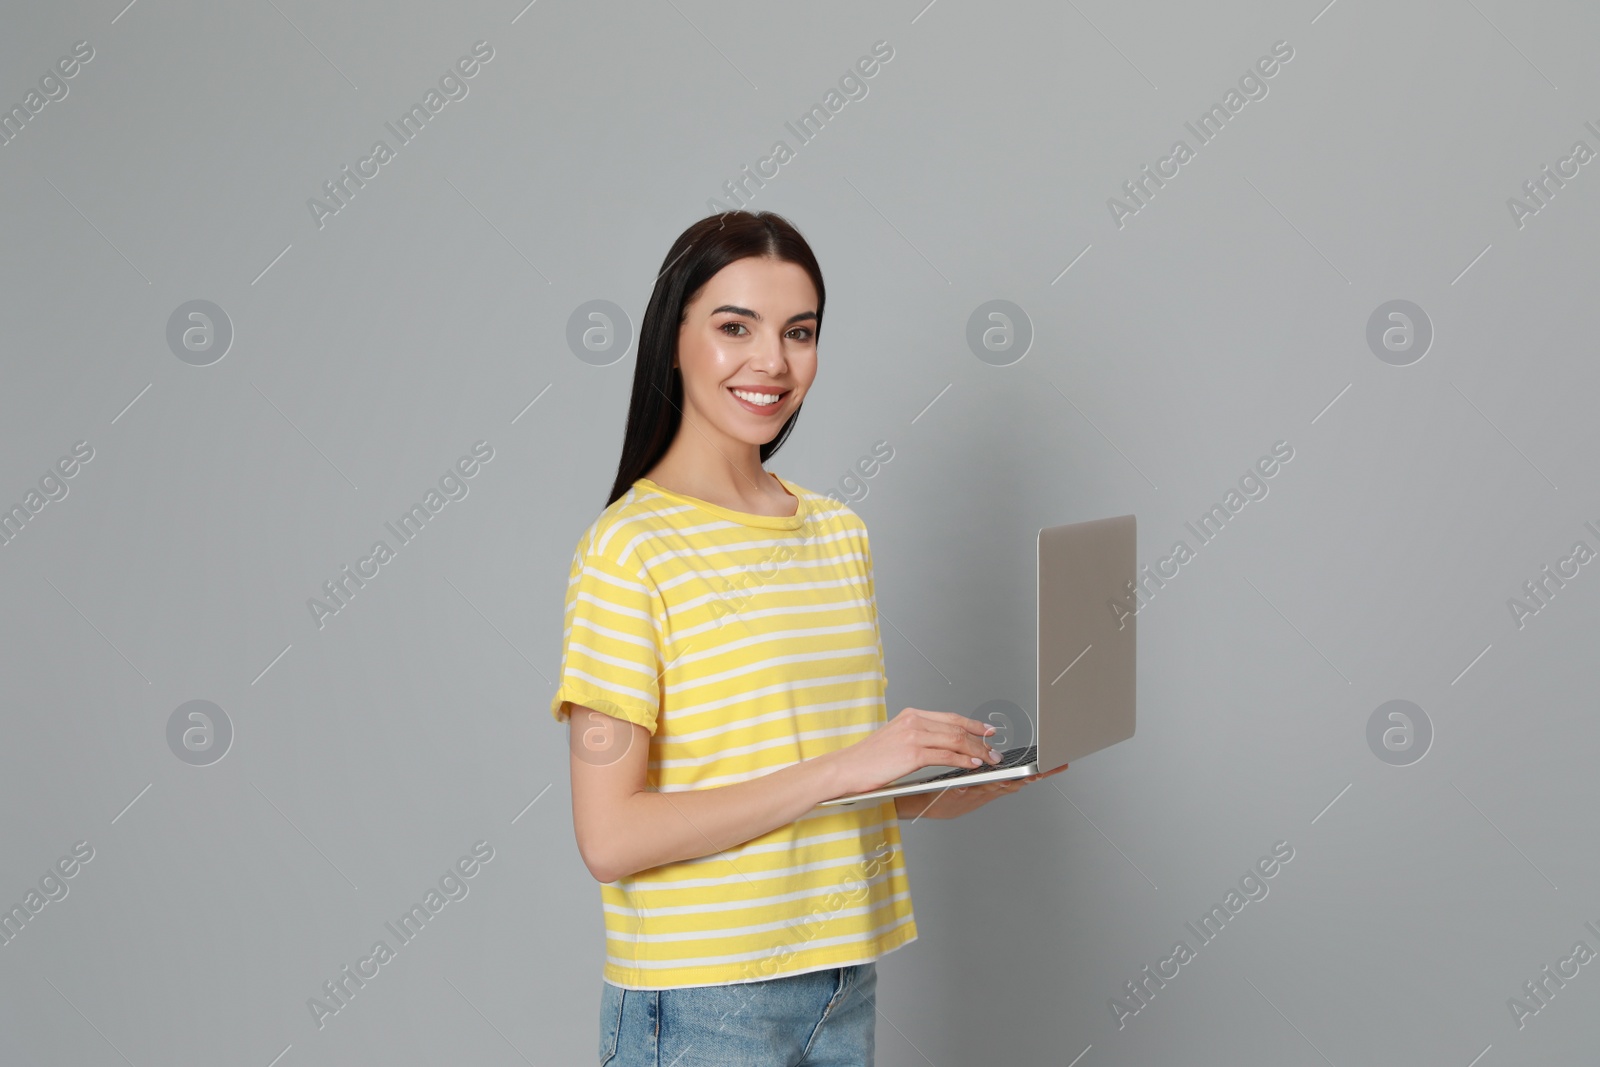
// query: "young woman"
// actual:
[[722, 674]]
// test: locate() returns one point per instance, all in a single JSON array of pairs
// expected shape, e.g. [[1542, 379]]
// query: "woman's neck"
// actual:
[[757, 493]]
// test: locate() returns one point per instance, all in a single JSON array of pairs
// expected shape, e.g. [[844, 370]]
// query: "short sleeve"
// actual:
[[611, 644]]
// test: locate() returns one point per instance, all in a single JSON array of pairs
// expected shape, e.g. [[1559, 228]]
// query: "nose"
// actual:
[[768, 356]]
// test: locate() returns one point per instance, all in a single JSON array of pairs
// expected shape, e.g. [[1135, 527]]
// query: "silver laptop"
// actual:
[[1084, 659]]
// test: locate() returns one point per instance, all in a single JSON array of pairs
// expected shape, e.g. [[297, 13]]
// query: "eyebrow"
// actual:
[[800, 317]]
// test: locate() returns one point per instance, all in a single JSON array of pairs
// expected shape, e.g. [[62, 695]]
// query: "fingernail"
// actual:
[[987, 730], [994, 755]]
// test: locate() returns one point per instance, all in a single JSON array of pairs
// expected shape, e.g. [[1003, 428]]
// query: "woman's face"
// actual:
[[752, 327]]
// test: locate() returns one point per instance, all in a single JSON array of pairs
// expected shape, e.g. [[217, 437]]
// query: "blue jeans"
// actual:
[[817, 1019]]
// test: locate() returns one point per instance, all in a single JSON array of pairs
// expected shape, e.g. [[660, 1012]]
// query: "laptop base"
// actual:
[[1014, 763]]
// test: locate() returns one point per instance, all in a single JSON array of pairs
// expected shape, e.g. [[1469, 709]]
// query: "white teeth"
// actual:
[[756, 398]]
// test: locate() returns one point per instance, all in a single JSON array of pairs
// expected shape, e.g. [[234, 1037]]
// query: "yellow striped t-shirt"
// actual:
[[745, 643]]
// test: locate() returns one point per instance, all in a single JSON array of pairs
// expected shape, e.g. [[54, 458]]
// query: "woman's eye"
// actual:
[[799, 333]]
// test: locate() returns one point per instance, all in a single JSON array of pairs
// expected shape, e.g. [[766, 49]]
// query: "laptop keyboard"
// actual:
[[1009, 758]]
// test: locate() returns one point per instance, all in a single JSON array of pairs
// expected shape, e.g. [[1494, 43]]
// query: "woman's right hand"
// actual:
[[911, 740]]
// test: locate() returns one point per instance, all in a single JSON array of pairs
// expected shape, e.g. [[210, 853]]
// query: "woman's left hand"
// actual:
[[954, 802]]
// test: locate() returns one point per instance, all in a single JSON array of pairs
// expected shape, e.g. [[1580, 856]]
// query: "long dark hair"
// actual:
[[656, 409]]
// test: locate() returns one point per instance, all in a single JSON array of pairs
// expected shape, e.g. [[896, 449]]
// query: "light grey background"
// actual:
[[431, 312]]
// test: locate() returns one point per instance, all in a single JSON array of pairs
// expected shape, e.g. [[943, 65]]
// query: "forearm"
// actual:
[[653, 828], [912, 805]]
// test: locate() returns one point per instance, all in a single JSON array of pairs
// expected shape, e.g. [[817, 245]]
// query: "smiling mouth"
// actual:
[[750, 405]]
